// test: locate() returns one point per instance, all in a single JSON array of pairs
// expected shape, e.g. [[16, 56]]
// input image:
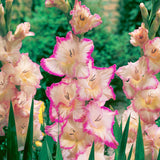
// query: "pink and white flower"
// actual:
[[22, 31], [70, 57], [152, 52], [22, 126], [74, 139], [22, 103], [135, 77], [62, 93], [133, 125], [148, 117], [96, 86], [139, 36], [98, 152], [9, 49], [25, 74], [99, 123], [82, 20], [7, 89], [147, 100]]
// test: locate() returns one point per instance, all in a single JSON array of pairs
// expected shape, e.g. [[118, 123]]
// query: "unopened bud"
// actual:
[[61, 4], [8, 8], [158, 15], [144, 13], [1, 10], [155, 25], [2, 21]]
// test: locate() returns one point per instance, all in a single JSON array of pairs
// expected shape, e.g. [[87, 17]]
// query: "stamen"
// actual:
[[153, 50], [25, 71], [70, 53], [82, 18], [141, 37], [1, 83], [71, 134], [93, 78], [67, 96], [98, 118]]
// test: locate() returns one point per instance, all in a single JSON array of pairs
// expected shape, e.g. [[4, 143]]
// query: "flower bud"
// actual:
[[61, 4], [144, 13], [22, 31], [155, 25], [2, 20]]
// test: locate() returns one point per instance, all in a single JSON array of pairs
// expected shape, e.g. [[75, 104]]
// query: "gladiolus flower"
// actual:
[[26, 74], [65, 95], [99, 123], [135, 77], [96, 86], [154, 133], [7, 89], [9, 49], [74, 139], [133, 125], [70, 57], [147, 100], [98, 152], [139, 36], [82, 20], [152, 51], [22, 126], [22, 31]]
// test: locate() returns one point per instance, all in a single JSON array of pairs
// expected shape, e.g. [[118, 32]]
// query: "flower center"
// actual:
[[136, 75], [154, 52], [148, 100]]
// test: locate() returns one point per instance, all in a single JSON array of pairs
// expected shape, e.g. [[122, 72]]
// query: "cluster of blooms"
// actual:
[[77, 102], [142, 87], [19, 78]]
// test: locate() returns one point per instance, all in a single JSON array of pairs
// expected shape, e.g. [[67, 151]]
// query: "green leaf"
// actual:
[[139, 155], [91, 156], [155, 7], [118, 135], [58, 152], [158, 155], [12, 146], [121, 155], [48, 152], [130, 153], [47, 147], [29, 139]]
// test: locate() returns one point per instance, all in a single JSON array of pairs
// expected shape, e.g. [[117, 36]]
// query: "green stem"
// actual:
[[142, 53]]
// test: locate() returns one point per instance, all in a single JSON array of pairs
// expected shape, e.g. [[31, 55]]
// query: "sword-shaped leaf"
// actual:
[[29, 139], [91, 156], [12, 146], [139, 155]]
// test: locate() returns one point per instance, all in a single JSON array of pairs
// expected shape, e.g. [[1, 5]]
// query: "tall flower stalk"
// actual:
[[141, 85], [77, 102], [19, 78]]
